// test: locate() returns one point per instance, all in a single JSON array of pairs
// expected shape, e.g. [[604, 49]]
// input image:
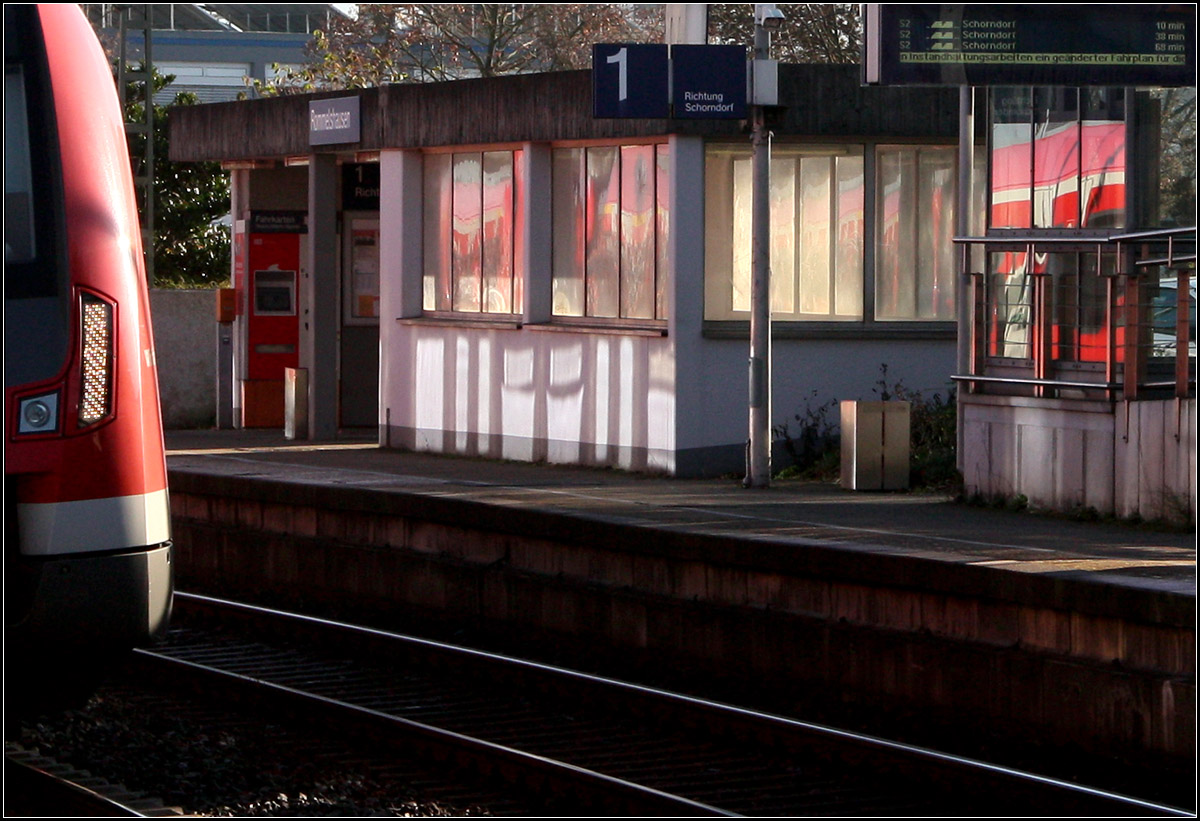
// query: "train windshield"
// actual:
[[18, 171], [36, 323]]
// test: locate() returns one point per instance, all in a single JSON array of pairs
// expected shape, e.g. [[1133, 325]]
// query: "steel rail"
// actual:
[[35, 785], [602, 789], [486, 754], [790, 736]]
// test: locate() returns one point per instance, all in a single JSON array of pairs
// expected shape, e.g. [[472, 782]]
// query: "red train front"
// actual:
[[87, 529]]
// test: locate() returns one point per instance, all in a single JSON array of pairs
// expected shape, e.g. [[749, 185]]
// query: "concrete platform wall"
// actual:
[[1155, 446], [185, 345], [1012, 655], [1123, 459]]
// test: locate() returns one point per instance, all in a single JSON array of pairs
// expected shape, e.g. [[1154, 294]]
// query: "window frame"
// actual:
[[915, 196], [580, 237], [1035, 94], [1049, 283], [445, 304], [868, 327]]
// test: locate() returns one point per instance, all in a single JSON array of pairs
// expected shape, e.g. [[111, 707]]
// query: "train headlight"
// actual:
[[97, 335], [38, 414]]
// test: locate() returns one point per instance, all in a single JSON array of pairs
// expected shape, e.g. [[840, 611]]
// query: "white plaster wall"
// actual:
[[399, 296], [601, 399], [610, 399]]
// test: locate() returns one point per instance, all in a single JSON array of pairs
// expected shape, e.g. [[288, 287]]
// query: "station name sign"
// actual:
[[653, 81], [278, 222], [331, 122], [1029, 44]]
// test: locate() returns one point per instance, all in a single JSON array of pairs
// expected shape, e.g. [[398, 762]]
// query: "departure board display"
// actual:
[[1030, 44]]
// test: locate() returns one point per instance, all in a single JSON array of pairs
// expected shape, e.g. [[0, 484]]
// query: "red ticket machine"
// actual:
[[268, 283]]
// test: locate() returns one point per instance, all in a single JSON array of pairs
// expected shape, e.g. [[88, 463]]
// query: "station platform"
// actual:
[[926, 525], [1039, 630]]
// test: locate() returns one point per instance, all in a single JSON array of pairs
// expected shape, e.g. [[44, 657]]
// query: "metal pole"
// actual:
[[962, 218], [758, 456], [148, 170]]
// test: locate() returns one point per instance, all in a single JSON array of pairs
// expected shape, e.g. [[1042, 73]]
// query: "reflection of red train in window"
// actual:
[[915, 268], [1069, 175], [1043, 183], [474, 252]]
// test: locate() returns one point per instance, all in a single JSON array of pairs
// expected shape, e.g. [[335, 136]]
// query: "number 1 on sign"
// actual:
[[622, 74]]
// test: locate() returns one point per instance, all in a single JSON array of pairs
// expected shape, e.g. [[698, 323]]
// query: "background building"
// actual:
[[214, 49]]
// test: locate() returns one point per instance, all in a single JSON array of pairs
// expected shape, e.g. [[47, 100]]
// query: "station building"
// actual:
[[532, 283], [483, 268]]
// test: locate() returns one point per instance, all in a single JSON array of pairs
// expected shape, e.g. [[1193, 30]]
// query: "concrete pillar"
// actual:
[[319, 320], [401, 289], [239, 208], [401, 198], [685, 319]]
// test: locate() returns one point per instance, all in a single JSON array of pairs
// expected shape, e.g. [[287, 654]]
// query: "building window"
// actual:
[[1058, 158], [817, 232], [1171, 113], [1057, 162], [1063, 286], [473, 204], [609, 226], [915, 263]]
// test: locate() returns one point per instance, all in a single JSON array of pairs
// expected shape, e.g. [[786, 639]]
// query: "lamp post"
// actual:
[[758, 457]]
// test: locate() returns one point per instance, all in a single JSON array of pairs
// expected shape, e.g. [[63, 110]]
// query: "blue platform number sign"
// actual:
[[630, 81]]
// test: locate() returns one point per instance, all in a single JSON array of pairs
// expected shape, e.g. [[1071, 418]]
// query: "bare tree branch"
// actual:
[[418, 42], [811, 32]]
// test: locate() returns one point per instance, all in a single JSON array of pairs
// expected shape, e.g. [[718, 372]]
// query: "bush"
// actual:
[[814, 444], [813, 441], [933, 441]]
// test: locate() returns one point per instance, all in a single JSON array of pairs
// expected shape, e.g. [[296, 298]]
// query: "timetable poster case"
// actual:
[[1030, 44], [362, 262]]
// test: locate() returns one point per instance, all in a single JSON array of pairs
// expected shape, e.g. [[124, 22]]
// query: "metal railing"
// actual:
[[1123, 328]]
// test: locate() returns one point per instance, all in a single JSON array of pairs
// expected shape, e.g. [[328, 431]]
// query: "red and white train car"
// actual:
[[87, 528]]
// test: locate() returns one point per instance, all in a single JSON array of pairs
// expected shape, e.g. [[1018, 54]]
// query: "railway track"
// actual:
[[578, 743], [209, 757], [35, 783]]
